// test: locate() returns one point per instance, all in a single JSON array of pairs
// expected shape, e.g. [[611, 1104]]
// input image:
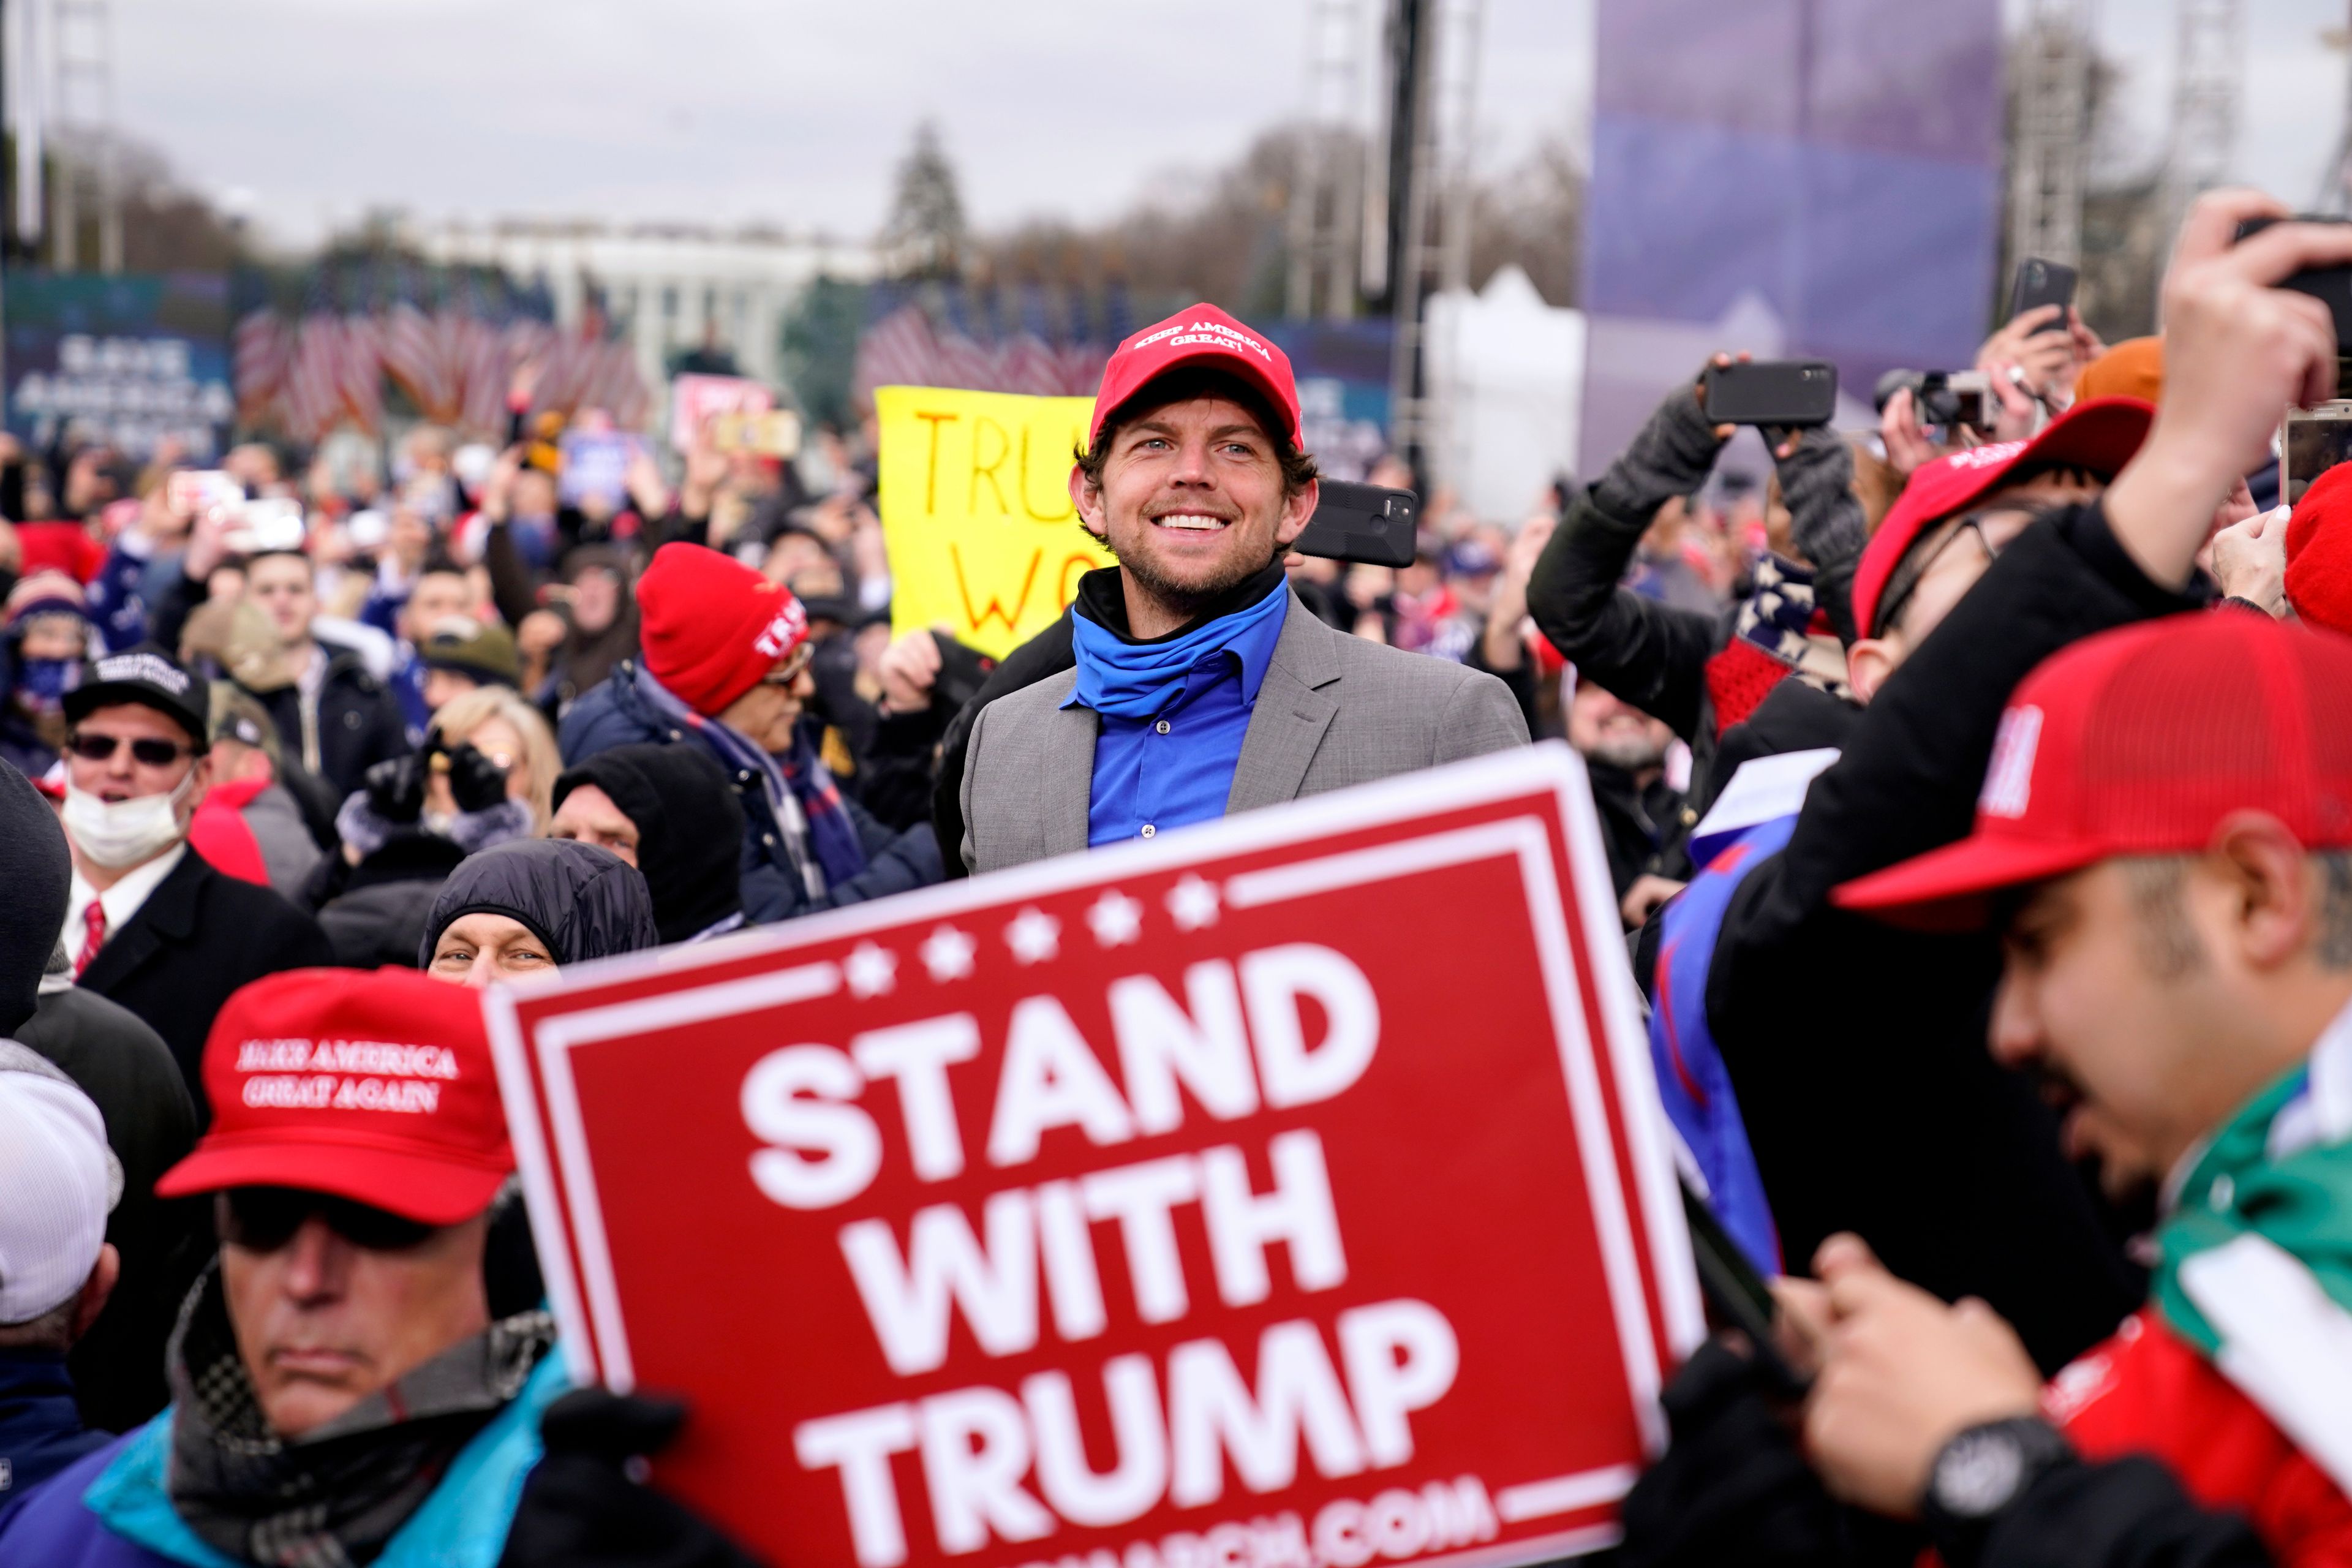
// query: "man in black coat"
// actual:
[[147, 924]]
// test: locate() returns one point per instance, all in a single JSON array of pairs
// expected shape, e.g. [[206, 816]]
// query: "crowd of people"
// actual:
[[1976, 799]]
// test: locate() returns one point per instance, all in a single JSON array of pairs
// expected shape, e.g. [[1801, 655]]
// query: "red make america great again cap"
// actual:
[[374, 1087], [2139, 742], [1198, 335]]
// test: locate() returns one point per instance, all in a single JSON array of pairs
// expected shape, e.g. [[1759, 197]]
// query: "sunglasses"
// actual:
[[147, 750], [264, 1219], [790, 671]]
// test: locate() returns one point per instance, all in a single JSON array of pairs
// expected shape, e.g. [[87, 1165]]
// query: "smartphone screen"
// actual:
[[2312, 442]]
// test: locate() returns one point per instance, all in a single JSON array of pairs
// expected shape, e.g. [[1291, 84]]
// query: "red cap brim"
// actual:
[[1948, 888], [429, 1189]]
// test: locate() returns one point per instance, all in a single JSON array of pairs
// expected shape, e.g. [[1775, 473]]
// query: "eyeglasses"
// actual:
[[264, 1219], [147, 750], [795, 663], [1973, 522]]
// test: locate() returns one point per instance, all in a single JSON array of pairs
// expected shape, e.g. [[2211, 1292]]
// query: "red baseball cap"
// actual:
[[2139, 742], [374, 1087], [1198, 335], [2099, 435], [2319, 550]]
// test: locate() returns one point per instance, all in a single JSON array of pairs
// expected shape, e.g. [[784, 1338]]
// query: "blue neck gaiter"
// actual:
[[1125, 680]]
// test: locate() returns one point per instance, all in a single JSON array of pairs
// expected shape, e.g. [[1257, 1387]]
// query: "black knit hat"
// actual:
[[37, 871], [690, 829]]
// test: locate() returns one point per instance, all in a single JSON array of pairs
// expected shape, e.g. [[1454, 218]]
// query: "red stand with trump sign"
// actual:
[[1291, 1190]]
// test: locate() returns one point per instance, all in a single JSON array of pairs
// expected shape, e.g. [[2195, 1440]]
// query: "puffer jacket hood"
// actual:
[[583, 901]]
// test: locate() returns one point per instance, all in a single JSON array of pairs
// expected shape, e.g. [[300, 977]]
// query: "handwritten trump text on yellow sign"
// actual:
[[976, 511]]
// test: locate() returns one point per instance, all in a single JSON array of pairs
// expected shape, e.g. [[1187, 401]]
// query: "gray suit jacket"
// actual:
[[1334, 711]]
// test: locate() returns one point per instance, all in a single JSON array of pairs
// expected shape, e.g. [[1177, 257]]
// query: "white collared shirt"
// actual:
[[120, 901]]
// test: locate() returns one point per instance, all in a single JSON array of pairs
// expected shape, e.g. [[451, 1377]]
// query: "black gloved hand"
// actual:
[[580, 1509], [1732, 1490], [1672, 456], [475, 782], [395, 788]]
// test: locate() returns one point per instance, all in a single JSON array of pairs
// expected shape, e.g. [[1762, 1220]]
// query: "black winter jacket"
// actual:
[[151, 1124], [1858, 1049], [198, 937], [359, 721]]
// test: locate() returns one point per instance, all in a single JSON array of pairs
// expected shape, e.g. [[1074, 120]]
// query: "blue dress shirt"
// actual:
[[1176, 766]]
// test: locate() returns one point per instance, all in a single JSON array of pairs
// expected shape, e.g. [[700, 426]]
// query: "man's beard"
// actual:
[[1188, 599], [1634, 753]]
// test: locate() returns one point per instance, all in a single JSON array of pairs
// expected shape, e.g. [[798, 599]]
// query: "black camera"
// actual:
[[1941, 397]]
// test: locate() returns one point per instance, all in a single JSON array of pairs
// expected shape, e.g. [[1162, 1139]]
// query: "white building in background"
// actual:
[[671, 286]]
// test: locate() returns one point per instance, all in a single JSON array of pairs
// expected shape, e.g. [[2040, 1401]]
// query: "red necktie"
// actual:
[[93, 925]]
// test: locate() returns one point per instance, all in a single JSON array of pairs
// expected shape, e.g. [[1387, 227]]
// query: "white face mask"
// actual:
[[116, 834]]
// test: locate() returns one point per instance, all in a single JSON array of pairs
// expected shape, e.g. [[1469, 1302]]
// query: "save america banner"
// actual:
[[1291, 1190]]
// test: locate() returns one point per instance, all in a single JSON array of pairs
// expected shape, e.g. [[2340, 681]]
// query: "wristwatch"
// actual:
[[1980, 1472]]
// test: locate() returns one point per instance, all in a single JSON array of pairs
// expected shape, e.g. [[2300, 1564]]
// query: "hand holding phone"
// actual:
[[2039, 283]]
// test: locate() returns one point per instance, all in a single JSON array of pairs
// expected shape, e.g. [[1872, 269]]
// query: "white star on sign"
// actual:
[[1034, 936], [870, 970], [947, 954], [1116, 919], [1192, 903]]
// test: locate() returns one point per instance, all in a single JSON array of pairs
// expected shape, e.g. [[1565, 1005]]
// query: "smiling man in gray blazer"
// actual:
[[1202, 686]]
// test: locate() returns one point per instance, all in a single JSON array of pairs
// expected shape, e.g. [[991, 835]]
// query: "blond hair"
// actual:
[[461, 716]]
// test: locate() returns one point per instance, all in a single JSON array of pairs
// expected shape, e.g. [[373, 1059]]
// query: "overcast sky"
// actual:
[[314, 110]]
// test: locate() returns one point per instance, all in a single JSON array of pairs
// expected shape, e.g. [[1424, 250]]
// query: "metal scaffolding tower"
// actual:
[[1431, 250], [2045, 193], [2209, 64], [82, 111], [1327, 190]]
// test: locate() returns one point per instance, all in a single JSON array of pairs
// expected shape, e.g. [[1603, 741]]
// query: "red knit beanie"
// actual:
[[712, 627], [2319, 550]]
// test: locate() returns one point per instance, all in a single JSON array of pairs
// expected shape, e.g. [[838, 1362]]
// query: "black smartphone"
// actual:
[[1370, 523], [2041, 283], [1735, 1295], [1788, 392], [2331, 286]]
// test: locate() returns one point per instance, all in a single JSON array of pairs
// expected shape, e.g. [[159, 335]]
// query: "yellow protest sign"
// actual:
[[976, 511]]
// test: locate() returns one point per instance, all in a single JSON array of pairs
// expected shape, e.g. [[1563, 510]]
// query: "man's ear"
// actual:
[[1297, 511], [96, 1288], [1868, 663], [200, 784], [1088, 497], [2273, 909]]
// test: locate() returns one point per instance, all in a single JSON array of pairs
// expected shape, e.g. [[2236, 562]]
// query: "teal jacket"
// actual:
[[111, 1509]]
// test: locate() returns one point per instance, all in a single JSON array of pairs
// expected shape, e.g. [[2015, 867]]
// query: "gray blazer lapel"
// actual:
[[1067, 774], [1295, 706]]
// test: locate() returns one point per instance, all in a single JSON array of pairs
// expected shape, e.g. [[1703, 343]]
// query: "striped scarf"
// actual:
[[819, 838]]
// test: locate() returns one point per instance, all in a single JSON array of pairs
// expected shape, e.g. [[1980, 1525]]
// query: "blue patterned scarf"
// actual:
[[820, 839]]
